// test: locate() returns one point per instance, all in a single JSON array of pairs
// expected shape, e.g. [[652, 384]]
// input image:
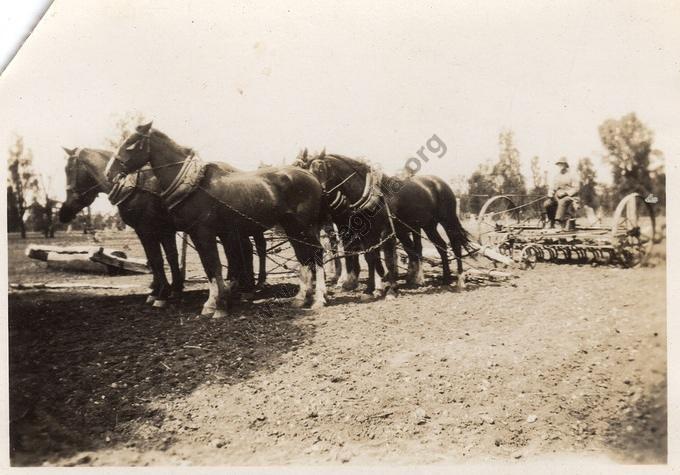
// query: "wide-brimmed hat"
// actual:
[[562, 161]]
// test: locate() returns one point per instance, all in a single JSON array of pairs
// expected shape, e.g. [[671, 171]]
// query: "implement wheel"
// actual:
[[496, 216], [634, 229]]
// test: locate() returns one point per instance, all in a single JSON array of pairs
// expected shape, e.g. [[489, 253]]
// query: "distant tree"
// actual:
[[607, 198], [459, 185], [538, 177], [48, 209], [657, 175], [587, 176], [480, 188], [22, 179], [13, 217], [629, 144], [125, 125], [506, 173]]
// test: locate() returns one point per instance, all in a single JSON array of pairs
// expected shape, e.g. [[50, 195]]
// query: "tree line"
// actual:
[[628, 143]]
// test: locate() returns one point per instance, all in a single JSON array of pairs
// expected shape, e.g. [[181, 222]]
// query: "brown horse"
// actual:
[[426, 202], [230, 205], [363, 221], [415, 203], [143, 210]]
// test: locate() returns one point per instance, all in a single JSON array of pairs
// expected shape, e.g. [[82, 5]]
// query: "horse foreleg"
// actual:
[[337, 262], [206, 246], [247, 278], [320, 282], [440, 244], [456, 239], [261, 248], [353, 269], [370, 258], [379, 275], [390, 252], [172, 256], [404, 236], [160, 287]]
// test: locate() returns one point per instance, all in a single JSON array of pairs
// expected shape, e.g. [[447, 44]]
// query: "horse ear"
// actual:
[[69, 152], [304, 155], [144, 128], [323, 153]]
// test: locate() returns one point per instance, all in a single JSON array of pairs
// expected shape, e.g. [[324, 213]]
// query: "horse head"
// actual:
[[82, 183], [133, 153]]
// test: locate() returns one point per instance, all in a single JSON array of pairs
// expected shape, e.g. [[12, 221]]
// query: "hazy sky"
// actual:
[[245, 82]]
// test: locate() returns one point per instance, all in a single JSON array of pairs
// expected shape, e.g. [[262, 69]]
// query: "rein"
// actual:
[[341, 183]]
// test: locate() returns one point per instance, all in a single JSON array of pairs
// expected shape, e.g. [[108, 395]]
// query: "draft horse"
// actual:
[[354, 203], [230, 206], [415, 203], [142, 210]]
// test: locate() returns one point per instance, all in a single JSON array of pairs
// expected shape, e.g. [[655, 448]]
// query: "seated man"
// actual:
[[562, 195]]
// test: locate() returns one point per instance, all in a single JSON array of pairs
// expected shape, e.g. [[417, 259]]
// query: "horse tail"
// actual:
[[456, 232]]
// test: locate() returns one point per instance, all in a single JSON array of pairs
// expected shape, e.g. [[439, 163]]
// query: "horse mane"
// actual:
[[170, 142], [360, 164]]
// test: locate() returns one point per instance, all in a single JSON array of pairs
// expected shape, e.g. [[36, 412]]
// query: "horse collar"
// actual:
[[186, 181]]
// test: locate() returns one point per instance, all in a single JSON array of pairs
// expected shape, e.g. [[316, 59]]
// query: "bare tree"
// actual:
[[507, 175], [22, 179], [538, 177], [124, 126]]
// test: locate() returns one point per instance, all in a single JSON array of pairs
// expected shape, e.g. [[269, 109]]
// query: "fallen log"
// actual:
[[490, 253], [92, 259], [69, 285]]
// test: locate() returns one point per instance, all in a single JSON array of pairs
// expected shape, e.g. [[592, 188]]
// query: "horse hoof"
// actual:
[[377, 294], [365, 297], [297, 303], [207, 311], [350, 284], [160, 303], [318, 304], [390, 296], [150, 299], [219, 313]]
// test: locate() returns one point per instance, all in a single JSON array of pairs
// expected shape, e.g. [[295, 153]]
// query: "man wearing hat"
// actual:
[[562, 195]]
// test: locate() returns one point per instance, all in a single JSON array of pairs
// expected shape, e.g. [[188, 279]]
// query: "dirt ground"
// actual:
[[564, 360]]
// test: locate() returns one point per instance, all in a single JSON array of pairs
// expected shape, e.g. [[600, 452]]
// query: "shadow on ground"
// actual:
[[640, 434], [84, 369]]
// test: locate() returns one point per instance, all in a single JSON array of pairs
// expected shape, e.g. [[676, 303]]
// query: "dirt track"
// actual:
[[567, 360]]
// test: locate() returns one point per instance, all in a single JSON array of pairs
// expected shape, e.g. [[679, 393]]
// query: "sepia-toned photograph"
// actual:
[[339, 234]]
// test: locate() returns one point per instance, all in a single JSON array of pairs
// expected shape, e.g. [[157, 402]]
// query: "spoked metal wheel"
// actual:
[[497, 215], [634, 229]]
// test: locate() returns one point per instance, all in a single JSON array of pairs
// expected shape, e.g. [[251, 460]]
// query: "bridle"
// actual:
[[340, 199], [72, 186], [143, 144]]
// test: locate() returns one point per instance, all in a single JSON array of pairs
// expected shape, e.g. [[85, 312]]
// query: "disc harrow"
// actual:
[[521, 233]]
